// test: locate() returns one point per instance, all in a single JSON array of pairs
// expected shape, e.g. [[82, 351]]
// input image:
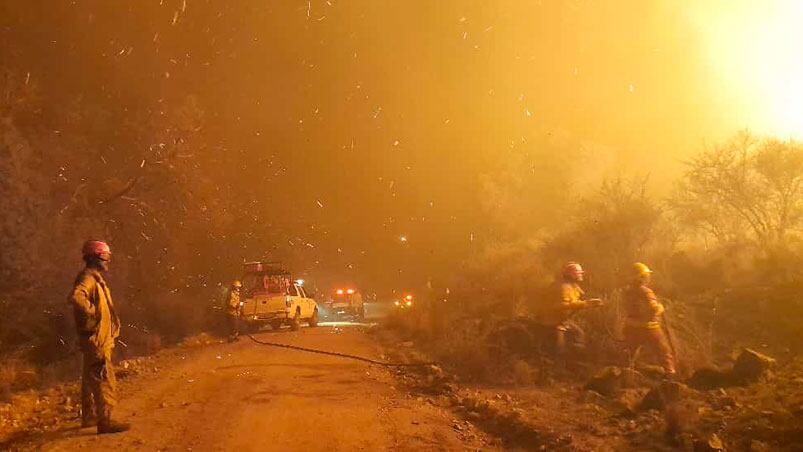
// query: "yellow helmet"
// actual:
[[236, 283], [640, 269]]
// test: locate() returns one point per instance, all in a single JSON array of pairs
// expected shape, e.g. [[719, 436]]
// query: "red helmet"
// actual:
[[95, 248], [572, 269]]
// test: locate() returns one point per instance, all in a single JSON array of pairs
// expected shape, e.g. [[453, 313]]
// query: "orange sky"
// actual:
[[364, 120]]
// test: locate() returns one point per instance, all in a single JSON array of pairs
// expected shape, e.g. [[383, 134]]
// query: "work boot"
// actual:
[[112, 427]]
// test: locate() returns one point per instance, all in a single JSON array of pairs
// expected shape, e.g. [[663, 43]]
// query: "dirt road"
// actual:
[[245, 396]]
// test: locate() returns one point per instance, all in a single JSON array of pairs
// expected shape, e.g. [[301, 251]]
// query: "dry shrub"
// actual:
[[465, 349], [16, 373], [59, 371], [501, 280], [8, 373]]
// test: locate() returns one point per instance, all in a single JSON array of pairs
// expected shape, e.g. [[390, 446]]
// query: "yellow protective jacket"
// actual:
[[568, 300], [642, 308], [232, 303], [96, 321]]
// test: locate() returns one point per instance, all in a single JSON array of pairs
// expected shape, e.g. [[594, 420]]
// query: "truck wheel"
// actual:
[[275, 325], [295, 323], [313, 321]]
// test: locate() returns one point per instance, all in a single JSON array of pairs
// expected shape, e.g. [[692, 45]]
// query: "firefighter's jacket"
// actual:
[[567, 301], [232, 303], [642, 308], [96, 321]]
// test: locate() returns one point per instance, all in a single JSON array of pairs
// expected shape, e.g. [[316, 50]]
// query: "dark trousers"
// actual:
[[233, 325]]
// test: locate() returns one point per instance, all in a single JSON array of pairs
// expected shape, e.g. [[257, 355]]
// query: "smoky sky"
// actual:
[[347, 126]]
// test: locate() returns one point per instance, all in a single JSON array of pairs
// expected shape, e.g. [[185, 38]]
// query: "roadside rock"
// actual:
[[750, 366], [613, 379], [441, 401], [629, 400], [606, 382], [759, 446], [499, 416], [710, 378], [666, 393], [712, 444]]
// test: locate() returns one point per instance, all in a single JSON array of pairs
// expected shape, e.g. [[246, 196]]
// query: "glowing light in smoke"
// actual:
[[754, 48]]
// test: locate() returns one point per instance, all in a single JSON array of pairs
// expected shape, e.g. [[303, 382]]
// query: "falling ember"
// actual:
[[200, 138]]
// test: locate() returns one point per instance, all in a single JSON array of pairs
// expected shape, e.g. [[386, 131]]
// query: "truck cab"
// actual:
[[272, 297]]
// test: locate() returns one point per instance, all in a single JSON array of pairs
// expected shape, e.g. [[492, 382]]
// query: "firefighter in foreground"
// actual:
[[643, 319], [568, 333], [98, 326], [233, 307]]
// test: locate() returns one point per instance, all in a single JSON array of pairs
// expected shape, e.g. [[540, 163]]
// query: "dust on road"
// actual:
[[244, 396]]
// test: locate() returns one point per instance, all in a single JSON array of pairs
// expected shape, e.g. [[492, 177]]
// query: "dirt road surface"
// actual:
[[245, 396]]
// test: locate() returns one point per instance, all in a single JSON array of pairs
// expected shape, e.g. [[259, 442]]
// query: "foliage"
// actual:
[[158, 205], [745, 188], [612, 228]]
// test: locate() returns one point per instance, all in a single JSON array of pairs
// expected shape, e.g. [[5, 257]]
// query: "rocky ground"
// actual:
[[623, 409], [757, 406]]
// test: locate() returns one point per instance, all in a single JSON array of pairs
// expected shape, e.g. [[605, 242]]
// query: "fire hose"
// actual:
[[339, 355]]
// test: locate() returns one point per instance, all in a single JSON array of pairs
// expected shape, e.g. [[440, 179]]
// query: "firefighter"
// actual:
[[233, 307], [643, 314], [570, 300], [98, 326]]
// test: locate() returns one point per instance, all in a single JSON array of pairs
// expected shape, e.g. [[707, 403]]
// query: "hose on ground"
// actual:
[[339, 355]]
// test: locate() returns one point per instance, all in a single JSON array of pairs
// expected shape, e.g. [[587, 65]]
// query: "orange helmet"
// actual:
[[573, 269], [95, 248]]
